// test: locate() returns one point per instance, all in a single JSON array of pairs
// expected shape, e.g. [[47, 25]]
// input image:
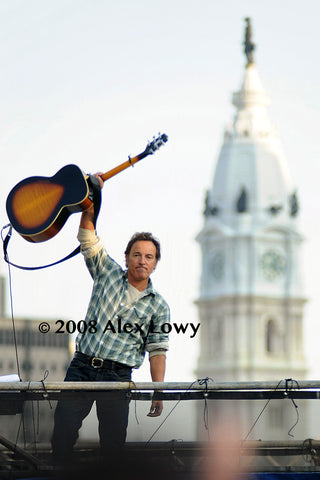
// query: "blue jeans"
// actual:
[[112, 409]]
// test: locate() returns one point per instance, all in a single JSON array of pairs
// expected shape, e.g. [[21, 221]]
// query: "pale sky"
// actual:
[[90, 82]]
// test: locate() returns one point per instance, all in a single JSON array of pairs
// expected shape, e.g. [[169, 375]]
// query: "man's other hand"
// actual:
[[156, 408]]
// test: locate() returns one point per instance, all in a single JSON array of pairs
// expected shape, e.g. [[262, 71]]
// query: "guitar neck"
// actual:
[[123, 166], [150, 149]]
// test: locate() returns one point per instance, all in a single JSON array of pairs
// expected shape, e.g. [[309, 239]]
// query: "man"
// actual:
[[124, 320]]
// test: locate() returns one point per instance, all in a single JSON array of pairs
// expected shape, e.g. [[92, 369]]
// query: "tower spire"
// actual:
[[249, 46]]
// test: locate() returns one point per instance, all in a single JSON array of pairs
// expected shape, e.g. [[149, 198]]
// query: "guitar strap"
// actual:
[[94, 196]]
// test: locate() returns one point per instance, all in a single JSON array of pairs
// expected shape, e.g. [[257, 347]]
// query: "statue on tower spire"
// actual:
[[249, 46]]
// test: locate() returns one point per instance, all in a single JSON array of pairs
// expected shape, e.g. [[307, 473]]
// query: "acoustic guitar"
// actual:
[[38, 207]]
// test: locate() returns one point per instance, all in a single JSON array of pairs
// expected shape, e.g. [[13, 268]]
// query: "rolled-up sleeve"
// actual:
[[158, 338], [160, 350], [89, 241]]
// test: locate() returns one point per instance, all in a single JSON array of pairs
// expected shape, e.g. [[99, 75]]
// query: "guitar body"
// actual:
[[38, 207]]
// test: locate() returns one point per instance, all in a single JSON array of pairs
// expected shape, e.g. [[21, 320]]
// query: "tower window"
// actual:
[[271, 337]]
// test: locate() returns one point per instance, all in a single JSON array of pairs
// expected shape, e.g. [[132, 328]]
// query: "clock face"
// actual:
[[217, 265], [273, 264]]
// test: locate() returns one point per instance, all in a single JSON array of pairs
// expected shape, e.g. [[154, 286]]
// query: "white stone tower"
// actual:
[[251, 299]]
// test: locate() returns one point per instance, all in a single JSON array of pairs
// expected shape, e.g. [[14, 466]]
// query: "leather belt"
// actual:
[[97, 362]]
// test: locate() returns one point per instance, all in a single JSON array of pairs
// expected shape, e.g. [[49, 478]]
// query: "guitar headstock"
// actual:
[[156, 144]]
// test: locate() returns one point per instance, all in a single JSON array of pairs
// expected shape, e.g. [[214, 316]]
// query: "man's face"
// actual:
[[141, 261]]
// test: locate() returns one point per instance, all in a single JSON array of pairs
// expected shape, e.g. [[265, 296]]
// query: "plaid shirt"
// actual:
[[121, 332]]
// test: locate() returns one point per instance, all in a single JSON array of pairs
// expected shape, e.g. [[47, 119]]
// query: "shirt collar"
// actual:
[[148, 290]]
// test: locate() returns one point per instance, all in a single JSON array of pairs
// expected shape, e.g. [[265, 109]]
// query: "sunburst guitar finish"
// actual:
[[38, 207]]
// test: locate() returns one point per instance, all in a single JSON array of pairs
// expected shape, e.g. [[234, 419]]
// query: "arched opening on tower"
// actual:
[[271, 336]]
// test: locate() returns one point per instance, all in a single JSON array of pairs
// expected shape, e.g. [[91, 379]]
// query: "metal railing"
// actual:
[[287, 388]]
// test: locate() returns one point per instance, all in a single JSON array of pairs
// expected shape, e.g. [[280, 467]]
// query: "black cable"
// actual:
[[201, 382], [135, 403], [36, 423], [287, 380], [204, 381], [11, 309], [5, 242], [263, 409], [289, 386], [22, 419], [297, 420], [165, 419], [35, 430], [45, 395], [158, 428]]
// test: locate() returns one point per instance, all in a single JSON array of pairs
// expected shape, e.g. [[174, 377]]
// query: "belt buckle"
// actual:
[[94, 361]]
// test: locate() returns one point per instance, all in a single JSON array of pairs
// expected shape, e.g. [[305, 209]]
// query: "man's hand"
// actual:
[[98, 177], [156, 408], [87, 217], [157, 369]]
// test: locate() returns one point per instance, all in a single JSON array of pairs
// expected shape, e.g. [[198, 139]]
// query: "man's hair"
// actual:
[[144, 236]]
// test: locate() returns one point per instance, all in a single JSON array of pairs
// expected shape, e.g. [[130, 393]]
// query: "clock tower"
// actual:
[[251, 296]]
